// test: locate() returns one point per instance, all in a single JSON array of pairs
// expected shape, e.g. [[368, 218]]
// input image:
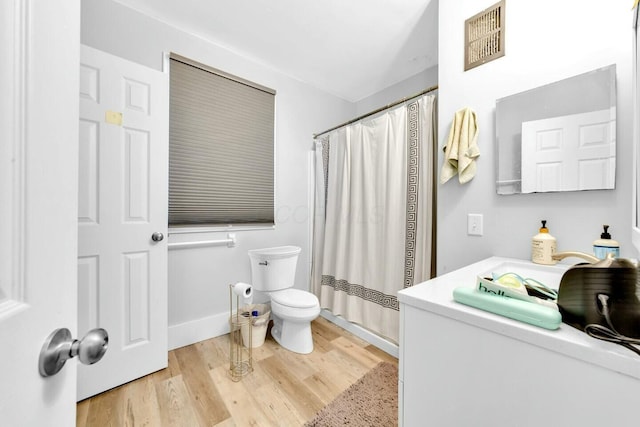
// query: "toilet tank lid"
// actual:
[[295, 298], [276, 252]]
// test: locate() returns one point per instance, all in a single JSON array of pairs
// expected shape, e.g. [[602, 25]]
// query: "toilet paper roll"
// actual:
[[243, 290]]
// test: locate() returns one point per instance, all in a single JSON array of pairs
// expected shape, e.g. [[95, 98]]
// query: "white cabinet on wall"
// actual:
[[460, 366]]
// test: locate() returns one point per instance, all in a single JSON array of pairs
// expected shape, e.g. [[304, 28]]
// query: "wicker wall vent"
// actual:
[[484, 36]]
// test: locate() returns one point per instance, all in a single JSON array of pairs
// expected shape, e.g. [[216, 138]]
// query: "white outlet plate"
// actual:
[[474, 224]]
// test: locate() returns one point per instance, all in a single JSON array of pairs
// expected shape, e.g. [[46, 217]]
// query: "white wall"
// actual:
[[546, 41], [199, 278]]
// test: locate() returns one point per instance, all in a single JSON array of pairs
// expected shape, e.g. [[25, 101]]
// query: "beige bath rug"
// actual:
[[370, 401]]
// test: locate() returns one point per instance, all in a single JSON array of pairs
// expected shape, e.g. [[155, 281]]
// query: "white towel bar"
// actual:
[[230, 241]]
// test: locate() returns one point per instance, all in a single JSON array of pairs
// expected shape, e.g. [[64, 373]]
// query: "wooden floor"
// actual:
[[285, 388]]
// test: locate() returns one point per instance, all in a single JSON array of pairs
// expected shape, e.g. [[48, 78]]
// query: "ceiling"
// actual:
[[349, 48]]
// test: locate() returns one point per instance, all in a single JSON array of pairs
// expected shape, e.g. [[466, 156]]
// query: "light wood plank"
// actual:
[[325, 386], [304, 400], [229, 422], [106, 409], [278, 408], [212, 354], [238, 400], [356, 351], [257, 378], [324, 328], [297, 366], [343, 371], [82, 412], [175, 403], [141, 404], [265, 350], [205, 397]]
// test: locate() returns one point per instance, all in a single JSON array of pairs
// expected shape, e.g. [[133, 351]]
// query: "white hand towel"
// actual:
[[461, 150]]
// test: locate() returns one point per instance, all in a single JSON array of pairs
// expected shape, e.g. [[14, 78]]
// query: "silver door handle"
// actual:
[[157, 236], [59, 347]]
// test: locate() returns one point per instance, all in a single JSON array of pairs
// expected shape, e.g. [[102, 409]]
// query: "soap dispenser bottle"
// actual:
[[543, 246], [605, 245]]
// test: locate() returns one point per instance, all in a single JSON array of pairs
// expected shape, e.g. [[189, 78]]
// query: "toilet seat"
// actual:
[[295, 298]]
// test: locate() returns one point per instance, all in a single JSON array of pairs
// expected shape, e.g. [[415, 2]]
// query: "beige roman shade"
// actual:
[[221, 147]]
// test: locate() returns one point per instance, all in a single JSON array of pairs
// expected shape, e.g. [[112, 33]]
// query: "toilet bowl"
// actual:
[[293, 310], [273, 272]]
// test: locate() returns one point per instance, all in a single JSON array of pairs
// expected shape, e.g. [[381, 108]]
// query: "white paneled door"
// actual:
[[122, 217]]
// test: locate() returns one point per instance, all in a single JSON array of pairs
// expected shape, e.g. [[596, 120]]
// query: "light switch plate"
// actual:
[[474, 224]]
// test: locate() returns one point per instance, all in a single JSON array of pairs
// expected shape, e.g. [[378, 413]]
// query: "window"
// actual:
[[221, 147]]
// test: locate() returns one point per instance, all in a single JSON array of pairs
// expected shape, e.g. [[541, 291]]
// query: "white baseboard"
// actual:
[[194, 331], [362, 333]]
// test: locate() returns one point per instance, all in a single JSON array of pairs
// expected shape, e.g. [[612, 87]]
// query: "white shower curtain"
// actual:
[[373, 214]]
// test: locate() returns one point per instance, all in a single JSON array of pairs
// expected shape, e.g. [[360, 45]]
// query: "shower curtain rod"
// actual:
[[393, 104]]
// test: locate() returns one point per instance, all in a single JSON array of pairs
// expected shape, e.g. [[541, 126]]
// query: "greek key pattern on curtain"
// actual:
[[325, 167], [413, 184], [371, 295]]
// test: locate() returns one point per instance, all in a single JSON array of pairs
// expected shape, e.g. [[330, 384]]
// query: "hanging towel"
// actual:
[[461, 150]]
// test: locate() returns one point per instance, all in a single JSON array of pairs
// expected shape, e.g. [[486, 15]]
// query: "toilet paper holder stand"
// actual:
[[240, 331]]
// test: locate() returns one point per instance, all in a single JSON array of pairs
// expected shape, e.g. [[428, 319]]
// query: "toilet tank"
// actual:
[[273, 269]]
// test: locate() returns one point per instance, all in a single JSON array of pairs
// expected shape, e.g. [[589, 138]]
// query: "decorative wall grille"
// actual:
[[484, 36]]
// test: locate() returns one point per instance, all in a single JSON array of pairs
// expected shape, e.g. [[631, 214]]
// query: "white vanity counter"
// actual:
[[461, 366]]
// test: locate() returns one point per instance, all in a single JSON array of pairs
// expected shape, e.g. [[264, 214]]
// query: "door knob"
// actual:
[[157, 236], [59, 347]]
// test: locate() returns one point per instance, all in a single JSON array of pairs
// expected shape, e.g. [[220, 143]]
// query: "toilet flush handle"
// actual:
[[263, 263]]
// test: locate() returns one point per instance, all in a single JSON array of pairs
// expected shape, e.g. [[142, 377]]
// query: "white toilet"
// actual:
[[273, 272]]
